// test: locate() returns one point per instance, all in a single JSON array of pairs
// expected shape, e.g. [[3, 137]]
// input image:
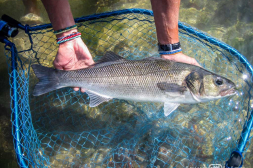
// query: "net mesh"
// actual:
[[59, 129]]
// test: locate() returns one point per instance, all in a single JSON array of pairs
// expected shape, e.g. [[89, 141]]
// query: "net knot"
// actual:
[[27, 29]]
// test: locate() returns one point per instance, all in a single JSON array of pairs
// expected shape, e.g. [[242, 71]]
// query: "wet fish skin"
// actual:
[[151, 79]]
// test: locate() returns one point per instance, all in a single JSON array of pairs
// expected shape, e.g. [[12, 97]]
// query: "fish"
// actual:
[[151, 79]]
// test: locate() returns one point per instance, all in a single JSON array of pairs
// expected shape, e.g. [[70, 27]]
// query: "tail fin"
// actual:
[[48, 80]]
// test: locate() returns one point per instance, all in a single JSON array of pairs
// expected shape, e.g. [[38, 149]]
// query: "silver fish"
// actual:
[[150, 80]]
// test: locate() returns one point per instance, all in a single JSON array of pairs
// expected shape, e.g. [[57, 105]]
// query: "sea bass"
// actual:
[[150, 80]]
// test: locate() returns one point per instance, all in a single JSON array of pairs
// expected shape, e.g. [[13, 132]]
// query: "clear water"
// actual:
[[228, 21]]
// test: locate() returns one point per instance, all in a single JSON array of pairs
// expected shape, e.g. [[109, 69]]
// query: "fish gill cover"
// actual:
[[59, 129]]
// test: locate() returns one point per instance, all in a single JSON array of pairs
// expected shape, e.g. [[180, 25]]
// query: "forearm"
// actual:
[[31, 6], [166, 14], [59, 13]]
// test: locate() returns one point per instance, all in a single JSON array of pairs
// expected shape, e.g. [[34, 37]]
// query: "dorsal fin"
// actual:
[[110, 56]]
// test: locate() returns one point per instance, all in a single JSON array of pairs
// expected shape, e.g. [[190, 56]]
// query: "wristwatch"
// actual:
[[169, 47]]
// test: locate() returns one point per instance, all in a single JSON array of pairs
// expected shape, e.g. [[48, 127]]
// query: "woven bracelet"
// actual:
[[69, 37], [65, 29]]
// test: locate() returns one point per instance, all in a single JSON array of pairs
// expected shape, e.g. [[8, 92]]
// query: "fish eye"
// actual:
[[219, 81]]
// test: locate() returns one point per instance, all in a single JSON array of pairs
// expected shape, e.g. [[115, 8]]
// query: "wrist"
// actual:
[[66, 33], [69, 44], [169, 49], [69, 36]]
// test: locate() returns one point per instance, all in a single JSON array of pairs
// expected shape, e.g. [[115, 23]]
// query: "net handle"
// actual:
[[17, 138]]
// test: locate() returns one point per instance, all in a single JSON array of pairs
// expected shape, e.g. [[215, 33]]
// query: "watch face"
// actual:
[[169, 47]]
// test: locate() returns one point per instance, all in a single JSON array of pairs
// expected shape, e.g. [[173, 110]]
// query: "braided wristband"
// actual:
[[65, 29], [68, 38], [73, 34]]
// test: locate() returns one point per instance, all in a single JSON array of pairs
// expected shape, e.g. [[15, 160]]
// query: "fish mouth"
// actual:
[[228, 92]]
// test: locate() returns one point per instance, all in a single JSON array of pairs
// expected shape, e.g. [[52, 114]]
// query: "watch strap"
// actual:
[[169, 47]]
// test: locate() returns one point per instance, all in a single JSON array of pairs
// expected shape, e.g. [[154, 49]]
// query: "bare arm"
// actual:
[[166, 15], [59, 13], [72, 54]]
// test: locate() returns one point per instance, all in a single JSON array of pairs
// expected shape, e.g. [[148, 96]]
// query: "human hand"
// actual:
[[73, 55], [180, 57]]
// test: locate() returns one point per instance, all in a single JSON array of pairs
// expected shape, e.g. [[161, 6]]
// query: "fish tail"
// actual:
[[48, 80]]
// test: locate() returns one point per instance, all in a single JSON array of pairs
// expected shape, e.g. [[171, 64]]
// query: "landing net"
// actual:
[[59, 129]]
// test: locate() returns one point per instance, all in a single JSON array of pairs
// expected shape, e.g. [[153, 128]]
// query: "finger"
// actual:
[[194, 62], [80, 65], [181, 58], [76, 89], [57, 66], [82, 90]]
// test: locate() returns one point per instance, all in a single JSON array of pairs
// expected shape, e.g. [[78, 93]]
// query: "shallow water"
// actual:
[[229, 22]]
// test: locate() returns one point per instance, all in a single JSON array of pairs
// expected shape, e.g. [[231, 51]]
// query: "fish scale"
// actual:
[[145, 79], [151, 79]]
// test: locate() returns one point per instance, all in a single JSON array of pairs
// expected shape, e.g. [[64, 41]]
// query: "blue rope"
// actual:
[[95, 16], [245, 133]]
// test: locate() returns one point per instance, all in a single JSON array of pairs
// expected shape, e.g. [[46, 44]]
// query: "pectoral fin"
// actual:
[[171, 87], [96, 99], [169, 108]]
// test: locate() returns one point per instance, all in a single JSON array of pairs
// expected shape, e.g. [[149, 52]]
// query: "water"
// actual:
[[229, 21]]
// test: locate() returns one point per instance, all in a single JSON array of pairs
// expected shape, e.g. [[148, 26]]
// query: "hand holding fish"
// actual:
[[180, 57], [166, 14], [73, 55]]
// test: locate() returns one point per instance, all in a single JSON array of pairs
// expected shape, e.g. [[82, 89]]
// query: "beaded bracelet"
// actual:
[[65, 29], [68, 38], [170, 52]]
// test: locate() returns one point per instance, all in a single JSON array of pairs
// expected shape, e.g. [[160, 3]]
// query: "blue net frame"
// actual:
[[60, 130]]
